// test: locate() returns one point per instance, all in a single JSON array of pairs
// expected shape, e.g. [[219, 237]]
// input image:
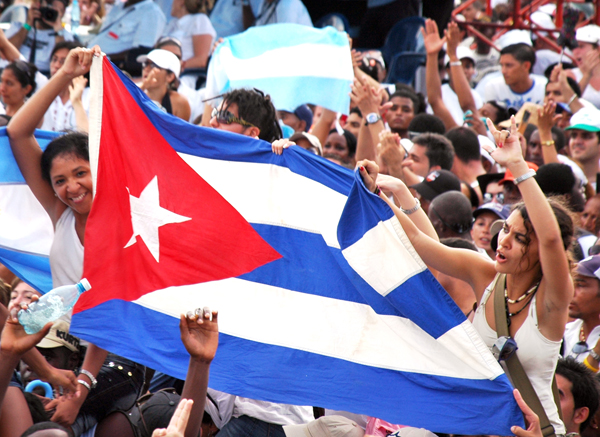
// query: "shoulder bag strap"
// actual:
[[515, 369]]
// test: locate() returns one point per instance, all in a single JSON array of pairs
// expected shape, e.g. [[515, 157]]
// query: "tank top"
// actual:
[[537, 354]]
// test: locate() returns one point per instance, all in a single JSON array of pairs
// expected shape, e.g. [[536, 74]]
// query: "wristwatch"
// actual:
[[372, 118]]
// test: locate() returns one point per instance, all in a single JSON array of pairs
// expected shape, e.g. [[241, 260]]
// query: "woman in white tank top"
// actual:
[[534, 239]]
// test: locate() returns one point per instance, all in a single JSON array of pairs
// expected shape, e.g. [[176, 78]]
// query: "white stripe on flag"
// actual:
[[283, 62], [330, 327], [382, 258], [30, 226], [274, 195]]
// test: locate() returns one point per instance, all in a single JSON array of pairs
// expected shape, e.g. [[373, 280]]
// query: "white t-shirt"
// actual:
[[279, 414], [496, 89], [187, 26], [451, 101], [61, 117], [590, 94], [194, 97], [572, 337]]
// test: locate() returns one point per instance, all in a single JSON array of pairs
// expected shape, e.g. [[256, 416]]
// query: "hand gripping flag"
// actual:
[[25, 229], [293, 63], [321, 299]]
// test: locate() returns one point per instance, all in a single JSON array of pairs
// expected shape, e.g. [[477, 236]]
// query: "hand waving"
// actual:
[[200, 334], [431, 38]]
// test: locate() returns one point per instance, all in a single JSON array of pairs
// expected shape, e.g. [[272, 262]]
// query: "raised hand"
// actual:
[[431, 38], [452, 35], [14, 340], [509, 147], [368, 172], [534, 429], [200, 334], [76, 88], [178, 422], [546, 116], [79, 61]]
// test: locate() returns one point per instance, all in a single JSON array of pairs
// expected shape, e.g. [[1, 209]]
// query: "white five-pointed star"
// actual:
[[147, 216]]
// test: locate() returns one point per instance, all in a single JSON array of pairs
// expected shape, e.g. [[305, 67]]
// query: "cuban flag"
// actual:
[[25, 228], [294, 64], [321, 298]]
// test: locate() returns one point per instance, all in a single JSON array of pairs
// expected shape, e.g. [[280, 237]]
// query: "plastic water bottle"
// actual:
[[51, 306], [75, 16]]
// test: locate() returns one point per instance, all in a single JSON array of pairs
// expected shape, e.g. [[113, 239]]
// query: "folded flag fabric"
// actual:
[[295, 64], [187, 217], [25, 229]]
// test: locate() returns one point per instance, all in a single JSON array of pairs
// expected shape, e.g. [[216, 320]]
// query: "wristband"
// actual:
[[456, 64], [85, 384], [587, 364], [572, 99], [413, 209], [27, 27], [377, 190], [524, 177], [89, 375], [548, 143], [594, 355]]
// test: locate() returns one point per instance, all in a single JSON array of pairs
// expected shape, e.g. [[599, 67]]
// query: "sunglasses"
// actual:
[[150, 64], [580, 348], [226, 117], [504, 348], [488, 197]]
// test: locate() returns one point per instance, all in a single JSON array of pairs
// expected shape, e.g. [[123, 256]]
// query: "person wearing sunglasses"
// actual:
[[160, 74], [247, 112]]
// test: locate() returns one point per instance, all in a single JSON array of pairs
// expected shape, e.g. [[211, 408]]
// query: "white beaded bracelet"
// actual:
[[413, 209], [525, 176], [85, 384]]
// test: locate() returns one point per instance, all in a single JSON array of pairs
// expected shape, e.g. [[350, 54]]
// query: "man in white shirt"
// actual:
[[583, 333], [516, 86], [584, 142]]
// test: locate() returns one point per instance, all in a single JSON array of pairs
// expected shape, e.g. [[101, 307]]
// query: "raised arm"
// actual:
[[200, 336], [433, 45], [75, 93], [22, 127], [367, 100], [556, 288], [463, 264], [545, 123]]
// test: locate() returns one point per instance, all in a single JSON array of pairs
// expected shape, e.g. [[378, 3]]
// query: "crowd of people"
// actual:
[[491, 169]]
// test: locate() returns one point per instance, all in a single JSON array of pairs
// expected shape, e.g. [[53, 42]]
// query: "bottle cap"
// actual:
[[86, 284]]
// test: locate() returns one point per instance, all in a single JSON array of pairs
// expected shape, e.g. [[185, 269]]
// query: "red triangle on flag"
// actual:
[[205, 238]]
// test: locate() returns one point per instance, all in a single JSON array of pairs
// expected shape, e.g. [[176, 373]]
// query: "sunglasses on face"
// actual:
[[150, 64], [503, 348], [226, 117], [488, 197]]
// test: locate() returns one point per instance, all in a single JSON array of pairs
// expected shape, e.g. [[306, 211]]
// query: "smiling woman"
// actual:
[[61, 180]]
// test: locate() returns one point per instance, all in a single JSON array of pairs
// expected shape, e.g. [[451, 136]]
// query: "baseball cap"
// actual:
[[163, 59], [514, 37], [502, 211], [589, 266], [508, 176], [587, 119], [462, 52], [436, 183], [312, 139], [589, 33], [326, 426], [59, 336], [304, 113]]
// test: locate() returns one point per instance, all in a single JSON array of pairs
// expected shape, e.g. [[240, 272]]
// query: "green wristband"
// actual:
[[27, 27]]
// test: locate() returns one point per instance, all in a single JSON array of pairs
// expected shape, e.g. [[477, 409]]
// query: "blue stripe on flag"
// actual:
[[257, 40], [33, 269], [9, 171], [296, 376]]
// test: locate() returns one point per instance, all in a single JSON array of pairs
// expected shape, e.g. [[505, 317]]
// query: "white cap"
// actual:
[[163, 59], [86, 284], [463, 53], [589, 33], [587, 119], [514, 37], [543, 20]]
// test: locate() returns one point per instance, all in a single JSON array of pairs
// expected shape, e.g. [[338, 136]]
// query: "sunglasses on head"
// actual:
[[226, 117]]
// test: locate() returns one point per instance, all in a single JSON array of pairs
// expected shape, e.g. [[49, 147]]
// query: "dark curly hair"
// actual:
[[73, 143], [257, 108]]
